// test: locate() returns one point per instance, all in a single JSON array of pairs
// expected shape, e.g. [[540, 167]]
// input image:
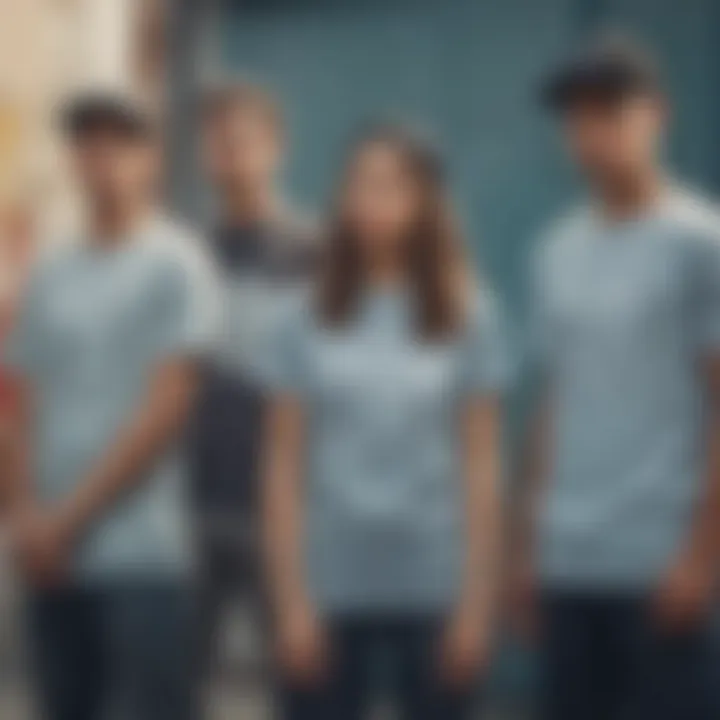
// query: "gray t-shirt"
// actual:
[[624, 312], [92, 328], [384, 485]]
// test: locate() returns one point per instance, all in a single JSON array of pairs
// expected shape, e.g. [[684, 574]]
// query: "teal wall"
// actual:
[[468, 70]]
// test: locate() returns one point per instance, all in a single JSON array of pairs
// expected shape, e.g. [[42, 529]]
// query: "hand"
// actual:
[[686, 595], [302, 644], [41, 545], [465, 647]]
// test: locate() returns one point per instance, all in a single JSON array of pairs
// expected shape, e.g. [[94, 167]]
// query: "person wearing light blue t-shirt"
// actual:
[[104, 350], [382, 509], [618, 548]]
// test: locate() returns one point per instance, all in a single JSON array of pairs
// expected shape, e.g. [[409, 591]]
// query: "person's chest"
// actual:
[[617, 292], [98, 313], [385, 378]]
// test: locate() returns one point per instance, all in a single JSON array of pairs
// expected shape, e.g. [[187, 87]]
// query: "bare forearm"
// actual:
[[283, 540], [484, 543], [156, 424], [283, 504], [15, 471], [705, 538], [484, 514], [705, 541]]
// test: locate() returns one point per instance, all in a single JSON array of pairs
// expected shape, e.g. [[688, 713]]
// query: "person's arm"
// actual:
[[45, 536], [706, 534], [22, 363], [300, 640], [470, 633], [532, 478], [184, 312], [687, 594], [485, 376], [483, 505], [16, 491], [283, 502], [156, 424]]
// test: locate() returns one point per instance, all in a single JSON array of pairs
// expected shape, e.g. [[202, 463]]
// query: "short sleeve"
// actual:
[[284, 365], [705, 306], [22, 351], [487, 366], [189, 308]]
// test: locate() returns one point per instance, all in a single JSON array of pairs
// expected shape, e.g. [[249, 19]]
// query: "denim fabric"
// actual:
[[122, 650]]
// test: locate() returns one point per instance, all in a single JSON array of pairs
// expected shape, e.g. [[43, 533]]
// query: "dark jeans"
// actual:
[[604, 657], [398, 655], [122, 648], [230, 574]]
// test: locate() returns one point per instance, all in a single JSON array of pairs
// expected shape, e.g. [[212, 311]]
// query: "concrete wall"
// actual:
[[47, 48]]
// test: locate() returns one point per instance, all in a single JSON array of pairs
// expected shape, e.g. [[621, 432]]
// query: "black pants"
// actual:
[[398, 657], [604, 658], [122, 649], [230, 575]]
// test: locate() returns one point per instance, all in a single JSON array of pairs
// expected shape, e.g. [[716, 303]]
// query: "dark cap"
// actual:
[[123, 113], [612, 67]]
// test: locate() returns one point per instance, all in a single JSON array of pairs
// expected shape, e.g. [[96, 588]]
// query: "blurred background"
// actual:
[[466, 69]]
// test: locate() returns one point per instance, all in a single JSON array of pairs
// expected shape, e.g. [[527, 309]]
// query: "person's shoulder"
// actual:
[[174, 246], [693, 217], [565, 232], [54, 255]]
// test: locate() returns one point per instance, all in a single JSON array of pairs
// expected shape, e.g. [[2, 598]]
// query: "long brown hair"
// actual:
[[437, 270]]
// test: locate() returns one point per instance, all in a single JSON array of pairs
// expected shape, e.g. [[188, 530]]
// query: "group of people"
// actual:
[[332, 396]]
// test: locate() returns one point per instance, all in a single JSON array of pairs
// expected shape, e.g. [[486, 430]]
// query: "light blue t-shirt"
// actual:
[[384, 487], [92, 329], [624, 312]]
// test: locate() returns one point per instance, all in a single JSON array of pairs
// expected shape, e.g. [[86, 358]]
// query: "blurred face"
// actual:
[[614, 139], [382, 199], [115, 170], [241, 150]]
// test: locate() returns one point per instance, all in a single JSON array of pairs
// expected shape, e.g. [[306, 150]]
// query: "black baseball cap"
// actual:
[[610, 67], [122, 112]]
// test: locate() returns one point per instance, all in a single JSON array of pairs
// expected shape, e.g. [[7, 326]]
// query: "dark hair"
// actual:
[[242, 95], [438, 271], [124, 115], [611, 68]]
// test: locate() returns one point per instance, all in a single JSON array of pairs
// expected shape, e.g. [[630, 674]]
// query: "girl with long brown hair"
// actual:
[[381, 487]]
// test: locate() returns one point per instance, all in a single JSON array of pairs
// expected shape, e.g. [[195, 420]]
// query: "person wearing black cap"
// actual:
[[266, 252], [104, 351], [618, 543]]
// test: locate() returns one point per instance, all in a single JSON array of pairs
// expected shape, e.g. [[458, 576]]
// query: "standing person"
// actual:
[[382, 507], [263, 251], [104, 351], [623, 490]]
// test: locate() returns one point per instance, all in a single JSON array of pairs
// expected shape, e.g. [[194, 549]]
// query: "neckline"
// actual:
[[125, 242], [656, 212]]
